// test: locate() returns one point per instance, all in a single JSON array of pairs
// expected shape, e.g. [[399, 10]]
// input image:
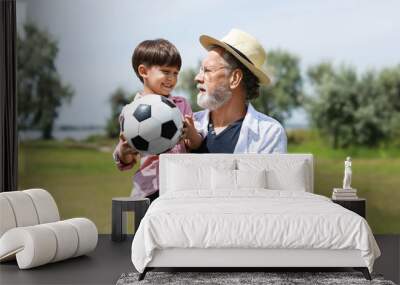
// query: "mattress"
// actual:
[[250, 219]]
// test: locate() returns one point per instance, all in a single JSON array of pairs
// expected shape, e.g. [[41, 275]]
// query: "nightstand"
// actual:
[[358, 206], [121, 205]]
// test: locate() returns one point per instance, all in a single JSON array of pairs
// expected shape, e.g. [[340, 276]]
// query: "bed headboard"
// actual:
[[297, 166]]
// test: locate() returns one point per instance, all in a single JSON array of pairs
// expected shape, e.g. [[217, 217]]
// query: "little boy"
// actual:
[[157, 64]]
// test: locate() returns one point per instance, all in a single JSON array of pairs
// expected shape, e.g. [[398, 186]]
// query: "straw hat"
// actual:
[[245, 48]]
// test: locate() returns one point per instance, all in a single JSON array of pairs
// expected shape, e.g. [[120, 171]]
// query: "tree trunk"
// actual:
[[335, 139], [47, 131]]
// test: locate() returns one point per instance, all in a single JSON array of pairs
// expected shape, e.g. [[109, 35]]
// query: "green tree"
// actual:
[[369, 117], [286, 93], [319, 72], [118, 99], [355, 110], [333, 107], [40, 89], [389, 86]]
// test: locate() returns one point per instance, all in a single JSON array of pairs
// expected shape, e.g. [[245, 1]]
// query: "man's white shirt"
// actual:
[[259, 133]]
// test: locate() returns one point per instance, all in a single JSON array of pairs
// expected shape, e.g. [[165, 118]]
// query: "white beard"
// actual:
[[215, 100]]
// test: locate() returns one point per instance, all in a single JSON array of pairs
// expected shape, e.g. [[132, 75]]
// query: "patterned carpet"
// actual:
[[242, 278]]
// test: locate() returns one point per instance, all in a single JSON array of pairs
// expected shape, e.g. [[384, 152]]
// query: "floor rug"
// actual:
[[243, 278]]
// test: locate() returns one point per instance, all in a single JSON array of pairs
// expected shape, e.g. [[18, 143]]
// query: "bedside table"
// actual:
[[121, 205], [358, 206]]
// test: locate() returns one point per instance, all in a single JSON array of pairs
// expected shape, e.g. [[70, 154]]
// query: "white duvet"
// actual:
[[253, 218]]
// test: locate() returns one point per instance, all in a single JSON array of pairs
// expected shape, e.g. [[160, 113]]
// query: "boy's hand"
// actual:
[[127, 154], [190, 135]]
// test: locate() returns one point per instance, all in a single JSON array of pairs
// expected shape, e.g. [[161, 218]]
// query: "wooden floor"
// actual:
[[111, 259]]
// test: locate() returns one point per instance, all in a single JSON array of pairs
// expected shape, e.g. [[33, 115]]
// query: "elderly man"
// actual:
[[229, 77]]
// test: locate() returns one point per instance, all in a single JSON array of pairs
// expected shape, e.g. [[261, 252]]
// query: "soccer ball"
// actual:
[[152, 124]]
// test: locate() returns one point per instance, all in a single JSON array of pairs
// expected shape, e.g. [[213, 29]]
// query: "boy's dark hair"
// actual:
[[155, 52]]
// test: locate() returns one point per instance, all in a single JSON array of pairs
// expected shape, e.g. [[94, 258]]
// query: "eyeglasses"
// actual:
[[206, 71]]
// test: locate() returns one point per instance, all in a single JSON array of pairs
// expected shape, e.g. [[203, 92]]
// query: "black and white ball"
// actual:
[[152, 124]]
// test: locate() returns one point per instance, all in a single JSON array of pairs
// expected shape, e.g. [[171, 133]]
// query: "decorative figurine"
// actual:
[[347, 174]]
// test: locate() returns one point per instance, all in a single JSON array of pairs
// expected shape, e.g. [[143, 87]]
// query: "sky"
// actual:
[[97, 37]]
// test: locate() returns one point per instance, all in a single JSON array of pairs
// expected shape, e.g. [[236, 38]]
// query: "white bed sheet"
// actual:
[[251, 218]]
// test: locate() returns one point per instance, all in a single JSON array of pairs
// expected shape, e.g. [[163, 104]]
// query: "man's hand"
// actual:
[[190, 135], [127, 154]]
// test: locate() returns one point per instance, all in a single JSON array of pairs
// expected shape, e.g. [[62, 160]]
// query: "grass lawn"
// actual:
[[82, 178], [376, 176]]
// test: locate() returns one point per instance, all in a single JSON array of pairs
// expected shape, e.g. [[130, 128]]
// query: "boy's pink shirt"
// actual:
[[145, 180]]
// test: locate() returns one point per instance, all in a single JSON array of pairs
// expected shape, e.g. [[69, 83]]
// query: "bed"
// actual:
[[247, 210]]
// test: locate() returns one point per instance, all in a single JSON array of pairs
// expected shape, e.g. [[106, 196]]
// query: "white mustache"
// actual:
[[198, 86]]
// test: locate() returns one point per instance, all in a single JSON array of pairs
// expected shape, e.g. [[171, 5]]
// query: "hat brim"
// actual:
[[207, 41]]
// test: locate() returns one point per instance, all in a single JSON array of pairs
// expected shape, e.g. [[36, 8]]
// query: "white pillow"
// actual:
[[182, 177], [192, 175], [282, 174], [293, 180], [225, 179], [251, 178]]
